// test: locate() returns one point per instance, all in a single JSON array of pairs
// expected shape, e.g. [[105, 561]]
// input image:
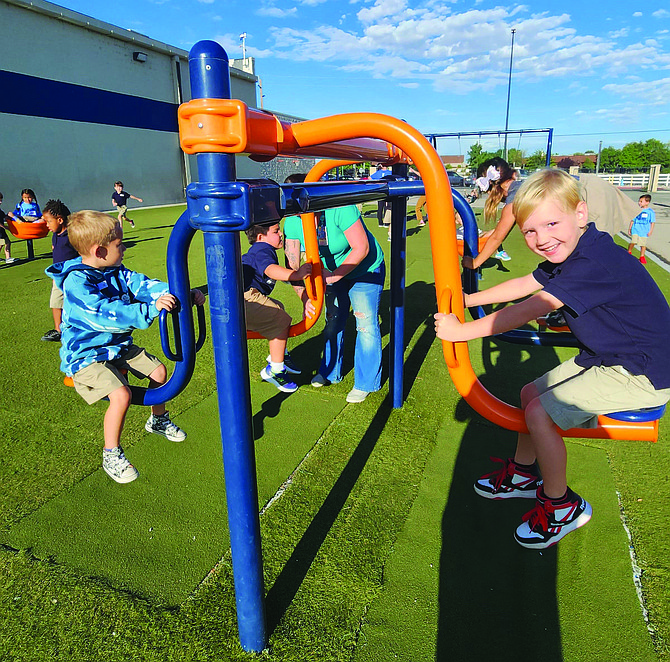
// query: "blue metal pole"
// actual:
[[550, 139], [208, 65], [398, 258]]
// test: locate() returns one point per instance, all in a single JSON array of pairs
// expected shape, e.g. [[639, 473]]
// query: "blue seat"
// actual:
[[639, 415]]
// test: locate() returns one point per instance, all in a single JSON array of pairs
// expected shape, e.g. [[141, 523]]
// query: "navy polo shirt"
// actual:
[[612, 306], [121, 199], [254, 263], [62, 249]]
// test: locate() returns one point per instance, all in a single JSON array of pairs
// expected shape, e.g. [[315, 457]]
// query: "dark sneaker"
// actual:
[[289, 367], [117, 466], [280, 380], [510, 481], [164, 426], [51, 336], [550, 520]]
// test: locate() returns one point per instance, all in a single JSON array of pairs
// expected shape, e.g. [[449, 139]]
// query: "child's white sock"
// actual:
[[276, 368]]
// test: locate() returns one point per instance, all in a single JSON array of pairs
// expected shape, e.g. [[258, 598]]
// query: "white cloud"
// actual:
[[661, 13], [459, 52], [637, 14], [275, 12]]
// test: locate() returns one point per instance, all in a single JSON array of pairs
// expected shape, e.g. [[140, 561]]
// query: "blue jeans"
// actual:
[[363, 295]]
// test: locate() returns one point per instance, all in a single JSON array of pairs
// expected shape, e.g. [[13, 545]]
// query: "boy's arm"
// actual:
[[292, 253], [99, 313], [134, 198], [510, 290], [276, 272], [449, 327]]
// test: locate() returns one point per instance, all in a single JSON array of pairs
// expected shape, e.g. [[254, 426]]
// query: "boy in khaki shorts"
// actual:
[[618, 314], [264, 315], [103, 302]]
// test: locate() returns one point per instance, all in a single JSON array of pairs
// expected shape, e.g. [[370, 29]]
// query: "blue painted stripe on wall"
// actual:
[[40, 97]]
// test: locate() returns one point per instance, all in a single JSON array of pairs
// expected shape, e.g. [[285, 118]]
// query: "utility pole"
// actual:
[[600, 149], [509, 92]]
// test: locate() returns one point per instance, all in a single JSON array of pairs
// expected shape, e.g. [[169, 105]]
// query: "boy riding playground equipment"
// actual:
[[215, 127]]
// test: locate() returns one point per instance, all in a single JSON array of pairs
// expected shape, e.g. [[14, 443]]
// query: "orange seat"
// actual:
[[22, 230]]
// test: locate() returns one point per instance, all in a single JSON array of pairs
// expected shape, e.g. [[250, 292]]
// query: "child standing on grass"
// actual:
[[120, 199], [55, 214], [642, 226], [264, 315], [5, 242], [103, 303], [27, 210], [618, 314]]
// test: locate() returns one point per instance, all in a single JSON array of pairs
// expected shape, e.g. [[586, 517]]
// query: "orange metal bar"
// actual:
[[308, 138], [230, 126]]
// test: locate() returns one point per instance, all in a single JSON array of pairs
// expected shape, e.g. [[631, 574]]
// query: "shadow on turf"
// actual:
[[497, 600], [279, 597]]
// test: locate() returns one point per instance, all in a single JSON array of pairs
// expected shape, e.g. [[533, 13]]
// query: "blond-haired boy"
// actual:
[[103, 303], [618, 314]]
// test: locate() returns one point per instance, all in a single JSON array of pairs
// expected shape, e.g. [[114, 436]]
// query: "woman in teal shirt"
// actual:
[[354, 272]]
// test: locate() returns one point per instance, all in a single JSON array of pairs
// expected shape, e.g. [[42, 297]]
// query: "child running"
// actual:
[[103, 303], [264, 315], [55, 214], [618, 314], [120, 199]]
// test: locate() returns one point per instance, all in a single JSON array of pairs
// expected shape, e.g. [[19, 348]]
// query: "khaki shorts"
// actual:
[[98, 380], [574, 396], [4, 238], [264, 315], [122, 209], [56, 298], [640, 241]]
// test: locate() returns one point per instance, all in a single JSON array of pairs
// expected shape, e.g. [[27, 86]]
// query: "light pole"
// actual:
[[509, 91]]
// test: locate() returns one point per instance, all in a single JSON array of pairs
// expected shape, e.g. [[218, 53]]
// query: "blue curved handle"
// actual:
[[185, 346]]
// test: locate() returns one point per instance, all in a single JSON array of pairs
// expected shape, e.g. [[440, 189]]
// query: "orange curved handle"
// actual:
[[448, 348]]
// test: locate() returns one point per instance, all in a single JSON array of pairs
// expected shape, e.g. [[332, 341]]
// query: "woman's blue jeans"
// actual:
[[363, 294]]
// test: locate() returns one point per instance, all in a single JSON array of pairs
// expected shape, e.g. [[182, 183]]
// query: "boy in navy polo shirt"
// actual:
[[120, 199], [55, 214], [267, 316], [618, 314]]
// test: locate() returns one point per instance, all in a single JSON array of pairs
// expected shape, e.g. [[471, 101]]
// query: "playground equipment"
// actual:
[[215, 127], [28, 231]]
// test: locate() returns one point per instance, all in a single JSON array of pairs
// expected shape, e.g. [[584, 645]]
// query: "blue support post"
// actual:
[[398, 260], [207, 203]]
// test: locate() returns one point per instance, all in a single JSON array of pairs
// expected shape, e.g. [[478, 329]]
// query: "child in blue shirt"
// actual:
[[266, 316], [55, 214], [103, 303], [642, 226], [618, 314], [27, 210]]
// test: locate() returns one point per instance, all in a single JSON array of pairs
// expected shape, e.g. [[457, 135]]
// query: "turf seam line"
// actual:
[[637, 571], [273, 499]]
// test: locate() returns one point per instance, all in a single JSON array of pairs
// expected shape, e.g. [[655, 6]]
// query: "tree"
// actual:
[[536, 160], [516, 157], [588, 165], [609, 159], [475, 155]]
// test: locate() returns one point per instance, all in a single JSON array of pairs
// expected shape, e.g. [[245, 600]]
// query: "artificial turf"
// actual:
[[377, 497]]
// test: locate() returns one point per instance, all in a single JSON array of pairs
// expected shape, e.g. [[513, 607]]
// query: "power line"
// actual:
[[608, 133]]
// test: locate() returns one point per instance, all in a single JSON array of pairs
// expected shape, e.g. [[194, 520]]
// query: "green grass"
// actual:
[[377, 548]]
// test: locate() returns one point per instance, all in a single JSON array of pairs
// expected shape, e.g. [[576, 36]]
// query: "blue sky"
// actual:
[[598, 70]]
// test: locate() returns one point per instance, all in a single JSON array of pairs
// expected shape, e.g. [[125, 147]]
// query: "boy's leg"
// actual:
[[115, 416]]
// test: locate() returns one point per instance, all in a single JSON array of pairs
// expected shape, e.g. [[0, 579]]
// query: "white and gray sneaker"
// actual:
[[164, 426], [117, 466]]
